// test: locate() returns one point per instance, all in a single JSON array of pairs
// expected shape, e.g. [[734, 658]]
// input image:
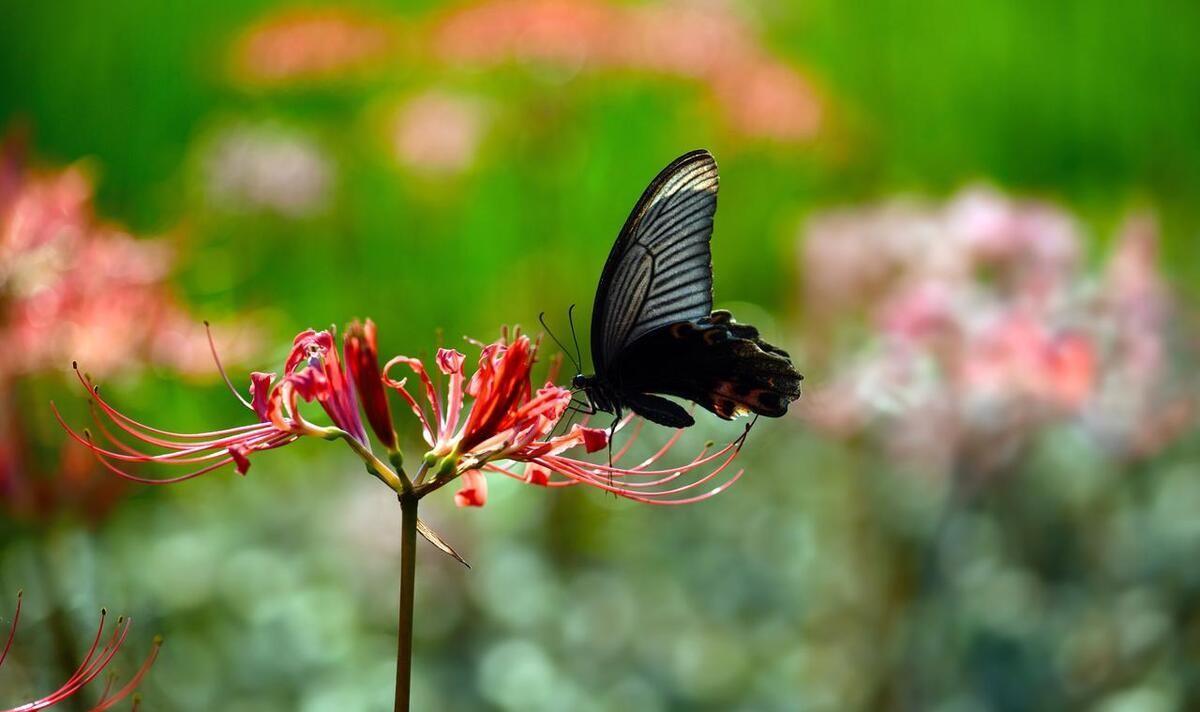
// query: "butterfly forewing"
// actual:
[[660, 269]]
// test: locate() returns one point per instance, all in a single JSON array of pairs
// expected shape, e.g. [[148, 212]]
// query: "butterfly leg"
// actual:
[[584, 408], [575, 408], [565, 422], [612, 430]]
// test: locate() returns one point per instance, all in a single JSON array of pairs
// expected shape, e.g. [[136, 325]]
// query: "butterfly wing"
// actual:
[[722, 365], [660, 269]]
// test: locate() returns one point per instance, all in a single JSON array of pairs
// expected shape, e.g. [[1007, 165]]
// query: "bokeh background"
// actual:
[[974, 226]]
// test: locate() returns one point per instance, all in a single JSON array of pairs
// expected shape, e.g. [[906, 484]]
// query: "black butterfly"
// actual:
[[653, 328]]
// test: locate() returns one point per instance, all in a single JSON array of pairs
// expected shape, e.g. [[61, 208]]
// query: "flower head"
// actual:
[[313, 372], [507, 424], [438, 133], [94, 662], [268, 167], [506, 416], [316, 373], [509, 421]]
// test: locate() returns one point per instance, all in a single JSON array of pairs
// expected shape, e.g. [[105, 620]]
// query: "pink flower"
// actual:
[[760, 95], [312, 372], [324, 380], [986, 327], [438, 133], [94, 663], [508, 421], [299, 45], [72, 286], [1019, 357]]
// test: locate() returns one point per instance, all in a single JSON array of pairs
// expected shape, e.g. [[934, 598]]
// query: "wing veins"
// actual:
[[672, 225]]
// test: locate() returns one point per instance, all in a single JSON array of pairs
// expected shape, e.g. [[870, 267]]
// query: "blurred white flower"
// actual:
[[268, 167]]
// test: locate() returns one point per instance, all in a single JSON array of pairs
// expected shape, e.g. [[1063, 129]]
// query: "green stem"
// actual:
[[408, 565]]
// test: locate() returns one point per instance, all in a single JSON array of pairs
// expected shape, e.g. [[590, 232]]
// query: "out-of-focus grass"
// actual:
[[1093, 102]]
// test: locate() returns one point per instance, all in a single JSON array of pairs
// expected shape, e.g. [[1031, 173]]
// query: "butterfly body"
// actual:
[[654, 331]]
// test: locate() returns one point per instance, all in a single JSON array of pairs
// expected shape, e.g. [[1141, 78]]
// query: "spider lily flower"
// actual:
[[325, 381], [312, 372], [98, 657], [362, 357], [509, 421]]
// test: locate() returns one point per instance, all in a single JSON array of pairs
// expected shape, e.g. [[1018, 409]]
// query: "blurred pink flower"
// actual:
[[73, 287], [1138, 407], [311, 44], [1020, 357], [984, 328], [437, 132], [760, 95], [564, 31]]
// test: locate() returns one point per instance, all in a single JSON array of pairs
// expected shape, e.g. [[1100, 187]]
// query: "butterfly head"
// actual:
[[599, 394]]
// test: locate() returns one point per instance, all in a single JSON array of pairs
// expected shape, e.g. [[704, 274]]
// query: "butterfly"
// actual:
[[654, 331]]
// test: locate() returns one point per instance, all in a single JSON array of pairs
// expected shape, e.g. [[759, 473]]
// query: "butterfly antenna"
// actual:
[[574, 337], [542, 319]]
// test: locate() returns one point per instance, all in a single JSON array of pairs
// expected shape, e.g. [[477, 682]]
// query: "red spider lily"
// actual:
[[362, 356], [509, 421], [312, 371], [94, 662], [324, 380]]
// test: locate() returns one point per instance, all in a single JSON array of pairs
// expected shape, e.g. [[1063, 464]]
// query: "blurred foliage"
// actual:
[[831, 577]]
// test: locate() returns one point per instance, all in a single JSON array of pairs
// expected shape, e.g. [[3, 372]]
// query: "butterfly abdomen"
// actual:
[[719, 364]]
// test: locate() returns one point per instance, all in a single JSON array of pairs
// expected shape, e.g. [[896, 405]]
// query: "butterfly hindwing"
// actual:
[[714, 362], [659, 410], [660, 268]]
